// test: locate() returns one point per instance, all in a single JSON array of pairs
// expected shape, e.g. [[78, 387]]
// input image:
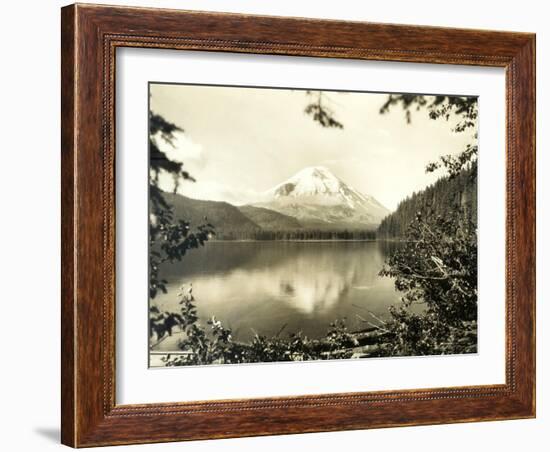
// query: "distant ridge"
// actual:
[[224, 216]]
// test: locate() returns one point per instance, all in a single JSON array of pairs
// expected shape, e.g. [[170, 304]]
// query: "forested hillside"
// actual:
[[442, 198], [222, 215], [269, 220]]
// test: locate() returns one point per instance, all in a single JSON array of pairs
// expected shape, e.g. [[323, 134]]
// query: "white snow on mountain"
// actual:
[[316, 196]]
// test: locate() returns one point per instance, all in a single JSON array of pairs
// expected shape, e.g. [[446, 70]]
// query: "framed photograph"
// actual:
[[281, 225]]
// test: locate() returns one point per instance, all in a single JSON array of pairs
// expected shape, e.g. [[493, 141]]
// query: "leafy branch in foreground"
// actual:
[[169, 238], [437, 265], [214, 343], [320, 112], [169, 241], [437, 268], [463, 110]]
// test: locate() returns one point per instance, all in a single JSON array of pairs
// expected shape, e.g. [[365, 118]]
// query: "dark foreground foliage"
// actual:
[[169, 238], [436, 268], [214, 344]]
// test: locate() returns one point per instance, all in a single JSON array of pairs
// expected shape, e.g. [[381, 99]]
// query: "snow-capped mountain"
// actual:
[[318, 198]]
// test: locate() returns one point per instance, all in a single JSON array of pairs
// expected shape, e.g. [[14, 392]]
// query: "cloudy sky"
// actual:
[[240, 142]]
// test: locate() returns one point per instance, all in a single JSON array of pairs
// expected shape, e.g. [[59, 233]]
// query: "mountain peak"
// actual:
[[315, 193], [315, 171], [310, 181]]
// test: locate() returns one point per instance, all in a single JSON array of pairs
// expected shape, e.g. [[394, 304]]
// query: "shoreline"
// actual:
[[168, 343]]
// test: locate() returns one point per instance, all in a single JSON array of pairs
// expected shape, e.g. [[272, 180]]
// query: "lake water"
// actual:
[[263, 286]]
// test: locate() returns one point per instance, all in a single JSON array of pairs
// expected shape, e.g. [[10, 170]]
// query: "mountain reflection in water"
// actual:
[[261, 287]]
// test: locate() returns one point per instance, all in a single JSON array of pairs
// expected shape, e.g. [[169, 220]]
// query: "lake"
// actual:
[[262, 287]]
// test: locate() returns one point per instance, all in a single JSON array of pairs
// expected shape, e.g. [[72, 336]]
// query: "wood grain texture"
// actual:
[[90, 36], [67, 226]]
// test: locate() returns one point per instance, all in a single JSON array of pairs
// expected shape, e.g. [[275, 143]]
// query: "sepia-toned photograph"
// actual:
[[290, 225]]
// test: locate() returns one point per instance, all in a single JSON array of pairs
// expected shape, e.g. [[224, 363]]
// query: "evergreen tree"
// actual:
[[169, 238], [443, 198], [437, 265]]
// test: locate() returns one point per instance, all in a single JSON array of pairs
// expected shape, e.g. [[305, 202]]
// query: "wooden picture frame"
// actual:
[[90, 36]]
